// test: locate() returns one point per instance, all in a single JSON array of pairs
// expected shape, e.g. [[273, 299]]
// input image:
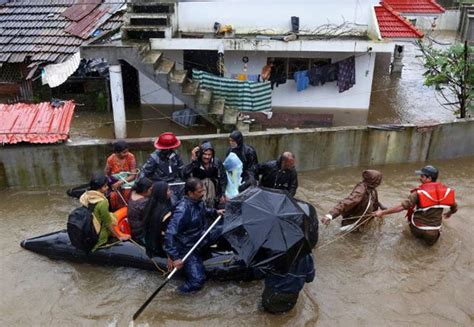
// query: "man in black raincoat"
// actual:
[[209, 169], [279, 174], [282, 290], [247, 155], [164, 164], [186, 226]]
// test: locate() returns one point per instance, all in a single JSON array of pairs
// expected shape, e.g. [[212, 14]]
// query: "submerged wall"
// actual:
[[73, 163]]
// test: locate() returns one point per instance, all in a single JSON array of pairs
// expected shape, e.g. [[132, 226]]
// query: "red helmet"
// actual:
[[167, 140]]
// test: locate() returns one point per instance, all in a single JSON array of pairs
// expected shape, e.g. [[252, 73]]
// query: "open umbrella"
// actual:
[[266, 228]]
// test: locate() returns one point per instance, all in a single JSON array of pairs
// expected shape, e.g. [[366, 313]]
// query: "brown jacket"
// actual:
[[356, 203]]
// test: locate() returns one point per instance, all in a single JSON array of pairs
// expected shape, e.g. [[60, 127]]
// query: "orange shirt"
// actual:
[[115, 165]]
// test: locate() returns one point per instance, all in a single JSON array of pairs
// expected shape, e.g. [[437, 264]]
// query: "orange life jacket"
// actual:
[[434, 195], [122, 227], [431, 195]]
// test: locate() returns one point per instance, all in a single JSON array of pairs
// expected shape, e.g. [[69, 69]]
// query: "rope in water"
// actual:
[[345, 233], [164, 273]]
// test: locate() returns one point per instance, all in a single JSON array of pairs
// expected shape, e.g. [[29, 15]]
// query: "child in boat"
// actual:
[[104, 221], [121, 169], [139, 198]]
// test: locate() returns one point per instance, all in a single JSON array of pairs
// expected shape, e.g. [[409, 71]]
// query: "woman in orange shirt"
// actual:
[[121, 169]]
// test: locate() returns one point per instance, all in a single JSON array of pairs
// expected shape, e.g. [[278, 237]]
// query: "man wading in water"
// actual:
[[425, 206], [357, 208]]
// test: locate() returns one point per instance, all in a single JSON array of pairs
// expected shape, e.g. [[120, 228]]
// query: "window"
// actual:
[[296, 65], [320, 62], [289, 66]]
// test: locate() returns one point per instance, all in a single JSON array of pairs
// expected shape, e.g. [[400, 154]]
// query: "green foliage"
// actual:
[[448, 71]]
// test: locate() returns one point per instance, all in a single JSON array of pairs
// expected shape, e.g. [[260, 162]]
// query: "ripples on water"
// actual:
[[380, 277]]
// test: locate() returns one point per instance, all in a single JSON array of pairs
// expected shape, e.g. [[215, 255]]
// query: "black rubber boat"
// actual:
[[220, 265]]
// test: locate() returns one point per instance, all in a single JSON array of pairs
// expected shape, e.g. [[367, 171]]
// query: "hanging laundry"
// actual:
[[346, 74], [315, 76], [278, 76], [243, 95], [331, 73], [301, 79]]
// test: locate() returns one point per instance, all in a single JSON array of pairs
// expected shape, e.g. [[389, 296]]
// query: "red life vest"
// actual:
[[434, 195], [431, 195]]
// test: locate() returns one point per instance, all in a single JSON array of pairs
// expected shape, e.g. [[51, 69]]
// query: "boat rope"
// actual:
[[218, 262], [164, 273], [345, 233], [351, 227]]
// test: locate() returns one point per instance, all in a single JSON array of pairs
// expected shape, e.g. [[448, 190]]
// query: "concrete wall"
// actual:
[[73, 163], [273, 16], [448, 21]]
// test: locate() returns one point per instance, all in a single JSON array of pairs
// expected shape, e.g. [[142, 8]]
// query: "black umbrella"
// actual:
[[266, 228]]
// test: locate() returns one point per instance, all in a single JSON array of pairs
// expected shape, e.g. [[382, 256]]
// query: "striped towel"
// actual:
[[243, 95]]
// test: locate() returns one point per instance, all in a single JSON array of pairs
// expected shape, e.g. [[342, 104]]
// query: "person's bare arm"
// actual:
[[380, 213]]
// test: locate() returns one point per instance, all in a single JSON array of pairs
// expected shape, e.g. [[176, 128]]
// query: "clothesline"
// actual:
[[342, 71], [243, 95]]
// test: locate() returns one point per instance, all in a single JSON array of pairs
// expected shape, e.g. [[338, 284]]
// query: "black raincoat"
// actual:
[[275, 177], [163, 165], [215, 172], [188, 223], [282, 290]]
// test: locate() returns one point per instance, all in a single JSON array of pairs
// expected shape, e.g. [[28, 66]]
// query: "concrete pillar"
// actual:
[[397, 64], [118, 103]]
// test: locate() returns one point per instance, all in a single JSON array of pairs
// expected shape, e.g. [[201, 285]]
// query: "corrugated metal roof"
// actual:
[[415, 6], [392, 25], [35, 123], [81, 9], [38, 29]]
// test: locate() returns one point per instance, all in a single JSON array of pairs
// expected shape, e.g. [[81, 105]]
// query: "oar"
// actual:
[[144, 305]]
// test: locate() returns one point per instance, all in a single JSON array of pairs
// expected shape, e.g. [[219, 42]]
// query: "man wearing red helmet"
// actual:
[[164, 164], [425, 206]]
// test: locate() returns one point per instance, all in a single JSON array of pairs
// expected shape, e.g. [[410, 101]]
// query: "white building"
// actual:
[[323, 32]]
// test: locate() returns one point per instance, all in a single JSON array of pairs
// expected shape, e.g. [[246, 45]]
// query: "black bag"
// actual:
[[80, 228]]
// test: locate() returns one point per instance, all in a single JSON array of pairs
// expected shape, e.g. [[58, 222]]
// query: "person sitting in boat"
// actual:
[[104, 220], [156, 215], [279, 174], [358, 208], [186, 226], [205, 166], [282, 290], [136, 205], [425, 206], [247, 155], [121, 169], [164, 164]]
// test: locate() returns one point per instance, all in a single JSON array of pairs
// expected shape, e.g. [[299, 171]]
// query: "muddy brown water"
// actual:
[[380, 277]]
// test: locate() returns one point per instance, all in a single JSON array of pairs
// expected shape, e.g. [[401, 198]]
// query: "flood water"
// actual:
[[382, 277], [403, 98]]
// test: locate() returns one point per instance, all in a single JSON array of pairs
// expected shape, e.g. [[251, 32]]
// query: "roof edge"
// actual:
[[402, 19]]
